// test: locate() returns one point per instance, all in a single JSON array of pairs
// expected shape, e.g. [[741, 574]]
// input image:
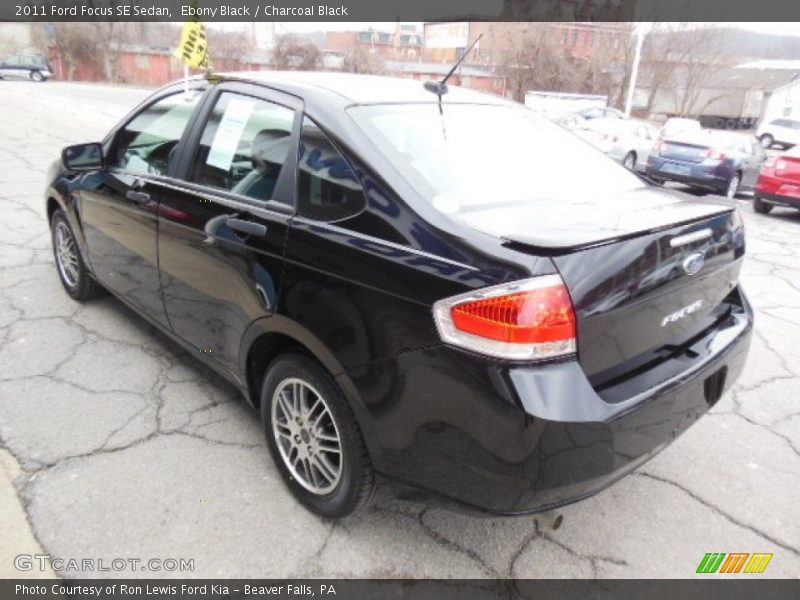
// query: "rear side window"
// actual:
[[146, 144], [244, 146], [327, 187]]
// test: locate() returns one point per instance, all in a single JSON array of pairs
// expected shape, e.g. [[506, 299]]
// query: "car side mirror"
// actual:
[[83, 157]]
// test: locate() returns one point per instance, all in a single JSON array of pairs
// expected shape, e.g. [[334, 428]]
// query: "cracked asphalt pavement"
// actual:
[[124, 446]]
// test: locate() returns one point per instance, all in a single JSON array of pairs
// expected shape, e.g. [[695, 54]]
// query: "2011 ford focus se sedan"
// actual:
[[409, 286]]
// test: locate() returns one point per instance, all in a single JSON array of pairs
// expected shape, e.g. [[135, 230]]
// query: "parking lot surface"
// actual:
[[123, 446]]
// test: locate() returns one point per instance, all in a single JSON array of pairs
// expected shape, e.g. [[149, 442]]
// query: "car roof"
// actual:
[[359, 89]]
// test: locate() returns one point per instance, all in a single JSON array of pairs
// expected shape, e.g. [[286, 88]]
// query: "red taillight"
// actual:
[[532, 317], [713, 154], [527, 319]]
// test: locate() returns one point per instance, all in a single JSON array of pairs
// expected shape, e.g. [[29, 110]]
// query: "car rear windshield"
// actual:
[[474, 155]]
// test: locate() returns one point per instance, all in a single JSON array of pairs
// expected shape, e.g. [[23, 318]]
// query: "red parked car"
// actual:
[[779, 182]]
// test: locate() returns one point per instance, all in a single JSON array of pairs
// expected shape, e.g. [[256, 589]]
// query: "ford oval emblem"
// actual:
[[693, 263]]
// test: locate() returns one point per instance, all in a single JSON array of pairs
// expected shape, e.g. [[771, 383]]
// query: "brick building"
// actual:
[[445, 42], [403, 44]]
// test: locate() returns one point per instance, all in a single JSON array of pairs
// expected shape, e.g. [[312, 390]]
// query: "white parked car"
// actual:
[[678, 125], [784, 132]]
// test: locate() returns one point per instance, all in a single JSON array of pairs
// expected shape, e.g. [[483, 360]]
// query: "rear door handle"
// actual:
[[137, 196], [247, 227]]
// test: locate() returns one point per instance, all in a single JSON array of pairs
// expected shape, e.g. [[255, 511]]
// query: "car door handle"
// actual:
[[137, 196], [247, 227]]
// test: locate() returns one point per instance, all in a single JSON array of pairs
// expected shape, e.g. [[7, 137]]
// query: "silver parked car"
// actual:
[[633, 143]]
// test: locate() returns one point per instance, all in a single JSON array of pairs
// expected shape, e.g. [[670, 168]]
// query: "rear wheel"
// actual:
[[733, 186], [37, 76], [767, 140], [760, 206], [72, 271], [629, 162], [314, 439]]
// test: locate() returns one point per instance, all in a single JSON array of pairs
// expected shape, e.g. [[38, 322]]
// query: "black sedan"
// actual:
[[722, 162], [404, 286], [32, 67]]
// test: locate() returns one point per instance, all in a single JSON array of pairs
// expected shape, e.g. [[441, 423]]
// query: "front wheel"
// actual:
[[314, 439], [37, 76], [72, 271], [760, 206], [767, 140]]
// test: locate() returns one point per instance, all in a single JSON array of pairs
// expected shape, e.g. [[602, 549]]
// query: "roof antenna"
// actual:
[[440, 87]]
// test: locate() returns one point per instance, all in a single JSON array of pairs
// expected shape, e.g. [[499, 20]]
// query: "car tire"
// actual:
[[37, 76], [306, 418], [760, 206], [733, 186], [766, 140], [629, 162], [72, 271]]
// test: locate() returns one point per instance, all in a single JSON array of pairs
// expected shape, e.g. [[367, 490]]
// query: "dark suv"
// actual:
[[411, 286], [22, 66]]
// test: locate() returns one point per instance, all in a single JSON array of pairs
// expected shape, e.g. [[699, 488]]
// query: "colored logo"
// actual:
[[735, 562]]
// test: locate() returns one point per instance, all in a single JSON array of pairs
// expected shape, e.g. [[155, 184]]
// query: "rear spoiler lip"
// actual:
[[530, 246]]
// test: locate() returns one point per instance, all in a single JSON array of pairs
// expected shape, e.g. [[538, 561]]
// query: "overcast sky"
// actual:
[[776, 28], [283, 27]]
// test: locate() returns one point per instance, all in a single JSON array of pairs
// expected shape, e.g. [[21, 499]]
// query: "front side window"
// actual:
[[244, 146], [327, 188], [146, 144]]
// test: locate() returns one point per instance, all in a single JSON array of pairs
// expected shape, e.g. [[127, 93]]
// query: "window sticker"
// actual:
[[229, 132]]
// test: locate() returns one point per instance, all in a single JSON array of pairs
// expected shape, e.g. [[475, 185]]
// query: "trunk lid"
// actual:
[[648, 271], [643, 301], [682, 151]]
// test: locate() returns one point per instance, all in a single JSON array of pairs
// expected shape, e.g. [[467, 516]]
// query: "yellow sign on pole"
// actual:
[[193, 48]]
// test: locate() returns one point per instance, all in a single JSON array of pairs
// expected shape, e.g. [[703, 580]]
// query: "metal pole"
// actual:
[[637, 55]]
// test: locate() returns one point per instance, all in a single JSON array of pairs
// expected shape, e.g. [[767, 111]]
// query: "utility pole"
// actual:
[[637, 56]]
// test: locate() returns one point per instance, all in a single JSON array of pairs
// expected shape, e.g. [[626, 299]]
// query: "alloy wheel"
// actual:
[[66, 254], [307, 436]]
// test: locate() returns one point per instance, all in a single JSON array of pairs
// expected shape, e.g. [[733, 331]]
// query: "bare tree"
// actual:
[[111, 38], [606, 71], [361, 60], [699, 59], [534, 61], [294, 53], [228, 48], [677, 59], [77, 43]]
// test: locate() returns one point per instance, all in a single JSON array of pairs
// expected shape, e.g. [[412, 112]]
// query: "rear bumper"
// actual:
[[781, 200], [778, 191], [527, 439], [715, 177]]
